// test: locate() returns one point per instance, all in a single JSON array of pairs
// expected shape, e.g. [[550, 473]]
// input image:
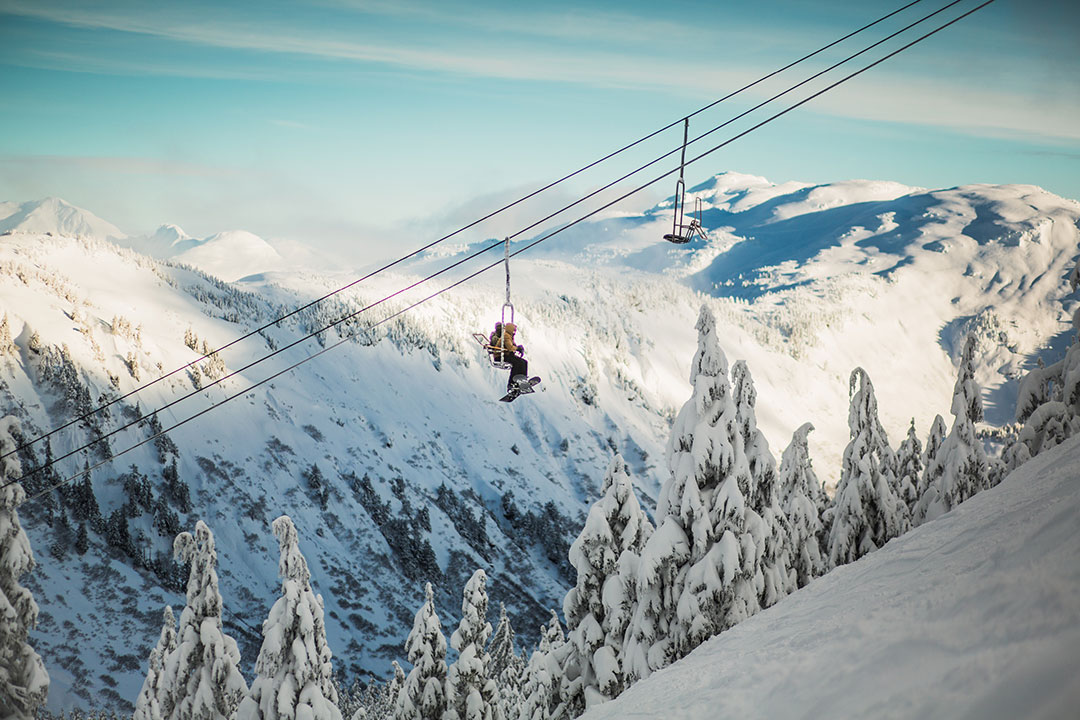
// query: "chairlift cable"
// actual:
[[368, 276], [724, 124], [507, 255], [492, 265]]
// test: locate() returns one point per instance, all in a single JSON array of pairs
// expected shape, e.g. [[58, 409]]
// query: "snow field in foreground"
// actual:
[[973, 615]]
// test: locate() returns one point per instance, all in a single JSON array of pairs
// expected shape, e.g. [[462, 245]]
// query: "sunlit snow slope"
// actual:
[[973, 615]]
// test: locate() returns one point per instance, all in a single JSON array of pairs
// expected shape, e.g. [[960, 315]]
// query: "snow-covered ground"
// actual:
[[973, 615], [807, 282]]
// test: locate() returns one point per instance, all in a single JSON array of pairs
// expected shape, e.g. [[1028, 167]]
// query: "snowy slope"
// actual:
[[973, 615], [607, 313]]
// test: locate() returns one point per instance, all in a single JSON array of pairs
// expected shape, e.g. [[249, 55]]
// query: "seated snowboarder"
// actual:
[[511, 352]]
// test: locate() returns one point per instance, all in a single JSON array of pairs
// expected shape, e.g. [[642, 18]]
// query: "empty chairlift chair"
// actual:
[[683, 232]]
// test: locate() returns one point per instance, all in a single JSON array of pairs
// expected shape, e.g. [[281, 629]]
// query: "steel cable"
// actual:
[[432, 244], [469, 277]]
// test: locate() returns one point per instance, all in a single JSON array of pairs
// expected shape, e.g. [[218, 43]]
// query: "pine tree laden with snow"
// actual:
[[509, 685], [722, 587], [201, 679], [764, 499], [763, 477], [148, 704], [470, 691], [501, 651], [544, 687], [24, 682], [934, 441], [706, 444], [598, 608], [705, 556], [909, 467], [423, 697], [802, 496], [649, 643], [507, 668], [867, 510], [960, 468], [7, 346], [294, 670], [393, 689]]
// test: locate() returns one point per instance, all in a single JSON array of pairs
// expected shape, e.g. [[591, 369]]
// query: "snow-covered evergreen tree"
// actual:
[[909, 467], [501, 651], [960, 468], [371, 700], [867, 510], [699, 573], [7, 347], [802, 497], [934, 441], [470, 691], [294, 670], [763, 476], [542, 691], [423, 697], [649, 644], [656, 638], [200, 679], [724, 586], [505, 666], [598, 608], [24, 683], [148, 704], [776, 553], [509, 686], [393, 689]]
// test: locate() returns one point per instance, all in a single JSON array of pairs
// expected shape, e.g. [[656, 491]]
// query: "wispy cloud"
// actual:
[[876, 96], [980, 110], [90, 63], [589, 67], [519, 19], [123, 165]]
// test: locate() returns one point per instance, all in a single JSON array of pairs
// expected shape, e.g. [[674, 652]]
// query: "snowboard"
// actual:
[[523, 387]]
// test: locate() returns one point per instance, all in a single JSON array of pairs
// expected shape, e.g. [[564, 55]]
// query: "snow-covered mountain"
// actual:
[[391, 453], [819, 279], [228, 255], [54, 216]]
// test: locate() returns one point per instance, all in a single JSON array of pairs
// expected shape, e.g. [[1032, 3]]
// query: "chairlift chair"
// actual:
[[685, 232], [495, 353]]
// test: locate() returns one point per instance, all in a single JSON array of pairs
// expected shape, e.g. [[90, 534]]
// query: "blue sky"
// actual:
[[348, 123]]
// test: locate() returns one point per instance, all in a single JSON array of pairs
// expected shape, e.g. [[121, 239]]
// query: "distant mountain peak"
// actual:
[[170, 234], [56, 216], [231, 255]]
